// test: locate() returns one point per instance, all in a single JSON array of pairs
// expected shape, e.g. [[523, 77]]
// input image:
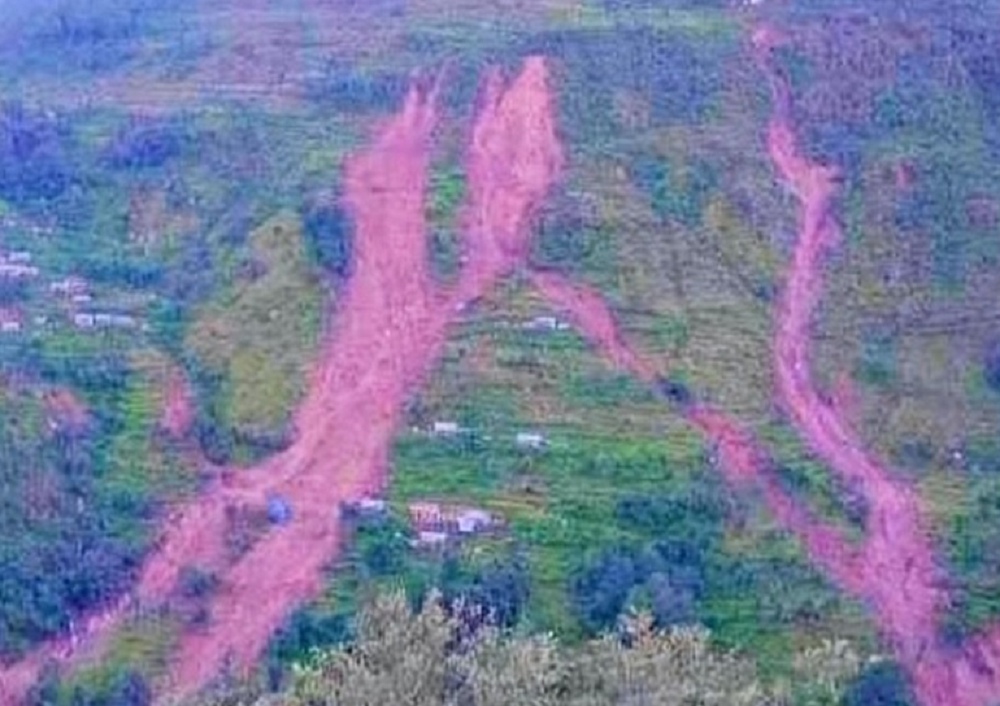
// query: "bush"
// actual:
[[195, 583], [78, 550], [991, 367], [565, 240], [328, 232], [883, 684], [145, 146], [33, 163]]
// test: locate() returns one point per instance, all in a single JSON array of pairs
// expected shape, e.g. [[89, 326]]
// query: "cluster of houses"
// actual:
[[433, 524], [74, 292]]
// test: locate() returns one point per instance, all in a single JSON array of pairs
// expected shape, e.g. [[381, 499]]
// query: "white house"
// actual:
[[430, 538], [474, 520], [545, 323], [529, 440], [446, 428], [70, 286]]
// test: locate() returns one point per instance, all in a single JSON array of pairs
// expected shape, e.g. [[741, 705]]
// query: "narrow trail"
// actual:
[[389, 328]]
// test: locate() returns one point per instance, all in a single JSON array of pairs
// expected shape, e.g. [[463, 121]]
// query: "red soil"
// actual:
[[893, 569], [178, 406], [390, 327]]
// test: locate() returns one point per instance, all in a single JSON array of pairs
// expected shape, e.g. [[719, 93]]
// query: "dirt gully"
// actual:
[[893, 569], [388, 329]]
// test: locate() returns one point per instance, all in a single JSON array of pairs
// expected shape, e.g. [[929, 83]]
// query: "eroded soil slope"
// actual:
[[389, 329]]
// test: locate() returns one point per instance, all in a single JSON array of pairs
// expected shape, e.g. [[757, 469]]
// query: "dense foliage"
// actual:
[[435, 657], [70, 542]]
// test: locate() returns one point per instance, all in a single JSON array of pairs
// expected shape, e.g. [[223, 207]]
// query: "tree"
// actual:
[[328, 231], [991, 367], [430, 658]]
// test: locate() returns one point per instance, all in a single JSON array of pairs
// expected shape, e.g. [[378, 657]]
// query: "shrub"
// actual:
[[883, 684], [328, 232], [194, 582]]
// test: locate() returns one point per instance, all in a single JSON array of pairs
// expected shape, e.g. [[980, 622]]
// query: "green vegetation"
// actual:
[[435, 656], [259, 334], [72, 534], [211, 219], [137, 654], [447, 189], [619, 510]]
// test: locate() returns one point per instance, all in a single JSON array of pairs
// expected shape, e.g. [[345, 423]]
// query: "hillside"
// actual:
[[561, 310]]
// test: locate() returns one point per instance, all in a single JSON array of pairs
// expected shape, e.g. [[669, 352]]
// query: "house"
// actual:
[[446, 428], [430, 538], [425, 514], [366, 507], [545, 323], [17, 271], [472, 520], [103, 320], [122, 321], [70, 286], [530, 440], [373, 506], [10, 321], [19, 257]]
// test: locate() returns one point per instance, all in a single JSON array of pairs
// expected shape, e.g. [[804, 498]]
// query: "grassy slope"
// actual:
[[261, 332]]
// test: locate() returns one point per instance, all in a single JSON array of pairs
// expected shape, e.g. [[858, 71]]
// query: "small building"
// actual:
[[122, 321], [103, 320], [19, 257], [83, 320], [474, 520], [430, 538], [70, 286], [446, 428], [545, 323], [81, 299], [10, 321], [530, 440], [366, 508], [12, 270], [373, 506], [423, 514]]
